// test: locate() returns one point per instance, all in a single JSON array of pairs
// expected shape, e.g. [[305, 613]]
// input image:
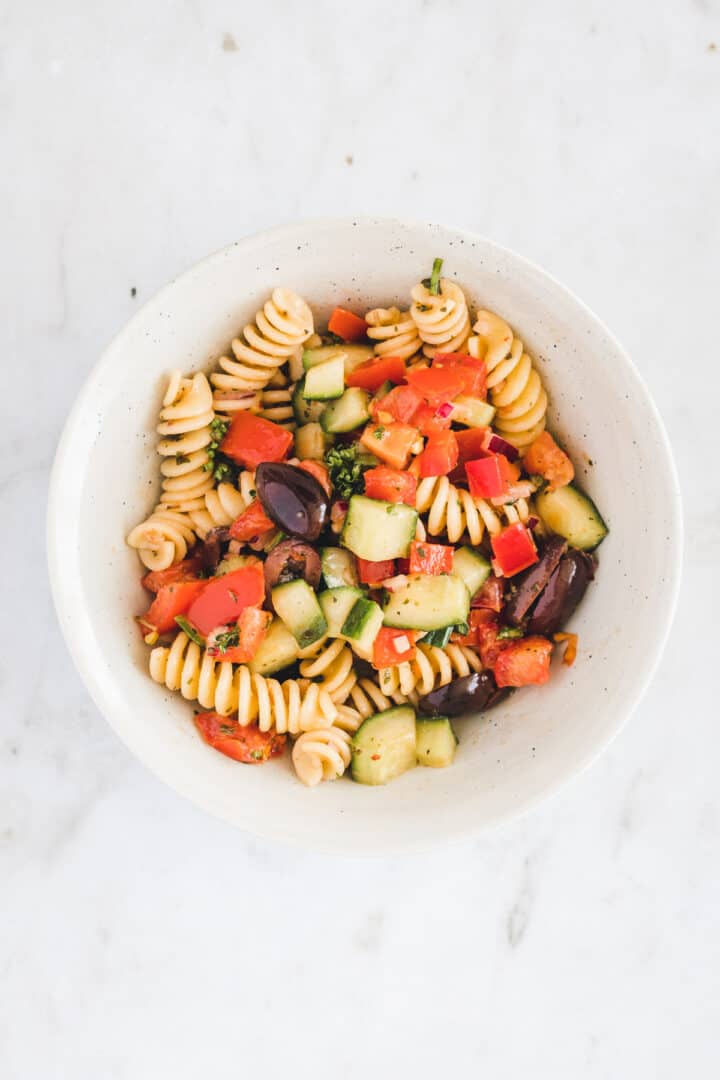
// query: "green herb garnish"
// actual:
[[432, 283], [346, 469], [190, 630], [228, 640], [222, 468], [379, 432], [506, 632]]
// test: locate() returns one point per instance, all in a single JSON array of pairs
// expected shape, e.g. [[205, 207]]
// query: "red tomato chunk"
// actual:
[[430, 558], [251, 440], [171, 600], [347, 325], [524, 663], [246, 744], [223, 599], [393, 647], [370, 573], [514, 549], [390, 485]]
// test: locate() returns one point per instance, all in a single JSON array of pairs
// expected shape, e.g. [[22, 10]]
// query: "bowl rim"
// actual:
[[65, 588]]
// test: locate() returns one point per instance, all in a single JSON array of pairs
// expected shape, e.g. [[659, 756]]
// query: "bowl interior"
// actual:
[[106, 479]]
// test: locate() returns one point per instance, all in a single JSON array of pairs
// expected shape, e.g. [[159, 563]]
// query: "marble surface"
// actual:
[[141, 939]]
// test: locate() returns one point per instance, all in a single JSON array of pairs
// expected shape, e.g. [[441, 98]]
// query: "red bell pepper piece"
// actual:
[[370, 573], [253, 522], [471, 443], [430, 558], [373, 373], [171, 600], [347, 325], [523, 663], [248, 633], [484, 478], [246, 744], [390, 485], [393, 647], [514, 549], [223, 599], [251, 440], [440, 454]]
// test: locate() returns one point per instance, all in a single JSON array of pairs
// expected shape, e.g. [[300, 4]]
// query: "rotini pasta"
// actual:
[[432, 667], [333, 664], [281, 327], [323, 754], [393, 333], [287, 707], [454, 511], [442, 320], [515, 386], [224, 503], [276, 405], [163, 539]]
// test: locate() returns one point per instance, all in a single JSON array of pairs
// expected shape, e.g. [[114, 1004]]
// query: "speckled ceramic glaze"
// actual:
[[106, 479]]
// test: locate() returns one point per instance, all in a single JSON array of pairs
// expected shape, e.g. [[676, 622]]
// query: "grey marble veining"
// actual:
[[141, 939]]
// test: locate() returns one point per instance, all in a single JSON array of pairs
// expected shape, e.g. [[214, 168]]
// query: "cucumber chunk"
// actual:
[[470, 565], [277, 650], [362, 626], [306, 412], [336, 604], [325, 381], [352, 355], [572, 514], [310, 442], [472, 412], [428, 602], [296, 604], [347, 412], [436, 742], [384, 746], [338, 566], [378, 530]]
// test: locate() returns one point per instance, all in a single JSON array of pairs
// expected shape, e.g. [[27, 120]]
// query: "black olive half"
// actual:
[[527, 587], [289, 560], [471, 693], [563, 593], [293, 499]]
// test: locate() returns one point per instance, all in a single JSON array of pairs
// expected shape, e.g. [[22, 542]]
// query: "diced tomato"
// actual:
[[484, 477], [223, 599], [370, 573], [320, 472], [390, 485], [486, 626], [440, 454], [490, 596], [523, 663], [251, 440], [436, 384], [249, 631], [401, 403], [471, 443], [347, 325], [187, 570], [430, 558], [469, 368], [509, 471], [546, 459], [392, 443], [428, 422], [393, 647], [253, 522], [246, 744], [373, 373], [480, 622], [514, 549], [171, 600]]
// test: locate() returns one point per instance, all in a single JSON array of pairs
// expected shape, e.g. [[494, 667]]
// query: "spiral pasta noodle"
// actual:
[[224, 503], [333, 665], [393, 333], [431, 668], [515, 386], [454, 511], [276, 405], [323, 754], [162, 539], [288, 707], [281, 327], [442, 320]]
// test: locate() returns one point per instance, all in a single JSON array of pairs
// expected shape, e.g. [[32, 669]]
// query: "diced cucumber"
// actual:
[[472, 412], [230, 563], [428, 602], [277, 650], [352, 355], [438, 638], [572, 514], [378, 530], [296, 604], [338, 566], [384, 746], [383, 390], [436, 742], [325, 381], [306, 412], [310, 442], [336, 604], [347, 412], [470, 565], [362, 626]]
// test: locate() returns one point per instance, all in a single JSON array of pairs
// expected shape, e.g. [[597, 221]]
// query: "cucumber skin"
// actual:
[[358, 413], [472, 567], [332, 372], [436, 742], [552, 506], [394, 751], [306, 412], [282, 647], [337, 578], [428, 603], [366, 531], [305, 631], [342, 598]]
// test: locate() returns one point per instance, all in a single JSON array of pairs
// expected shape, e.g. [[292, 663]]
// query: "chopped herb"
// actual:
[[539, 482], [227, 730], [332, 339], [181, 459], [257, 755], [190, 630], [233, 596], [346, 470], [506, 632], [422, 552], [228, 640], [434, 286], [222, 469], [424, 307], [462, 628], [379, 432]]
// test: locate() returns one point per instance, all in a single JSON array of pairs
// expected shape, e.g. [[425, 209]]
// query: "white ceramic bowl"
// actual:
[[106, 476]]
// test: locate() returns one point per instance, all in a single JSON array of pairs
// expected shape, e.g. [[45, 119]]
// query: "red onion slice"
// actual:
[[497, 445], [444, 410]]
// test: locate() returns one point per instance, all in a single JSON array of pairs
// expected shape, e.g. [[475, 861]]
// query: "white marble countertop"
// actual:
[[141, 939]]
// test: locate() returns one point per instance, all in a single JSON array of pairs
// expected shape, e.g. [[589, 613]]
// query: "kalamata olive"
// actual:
[[292, 498], [471, 693], [292, 559], [211, 548], [527, 587], [563, 593]]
